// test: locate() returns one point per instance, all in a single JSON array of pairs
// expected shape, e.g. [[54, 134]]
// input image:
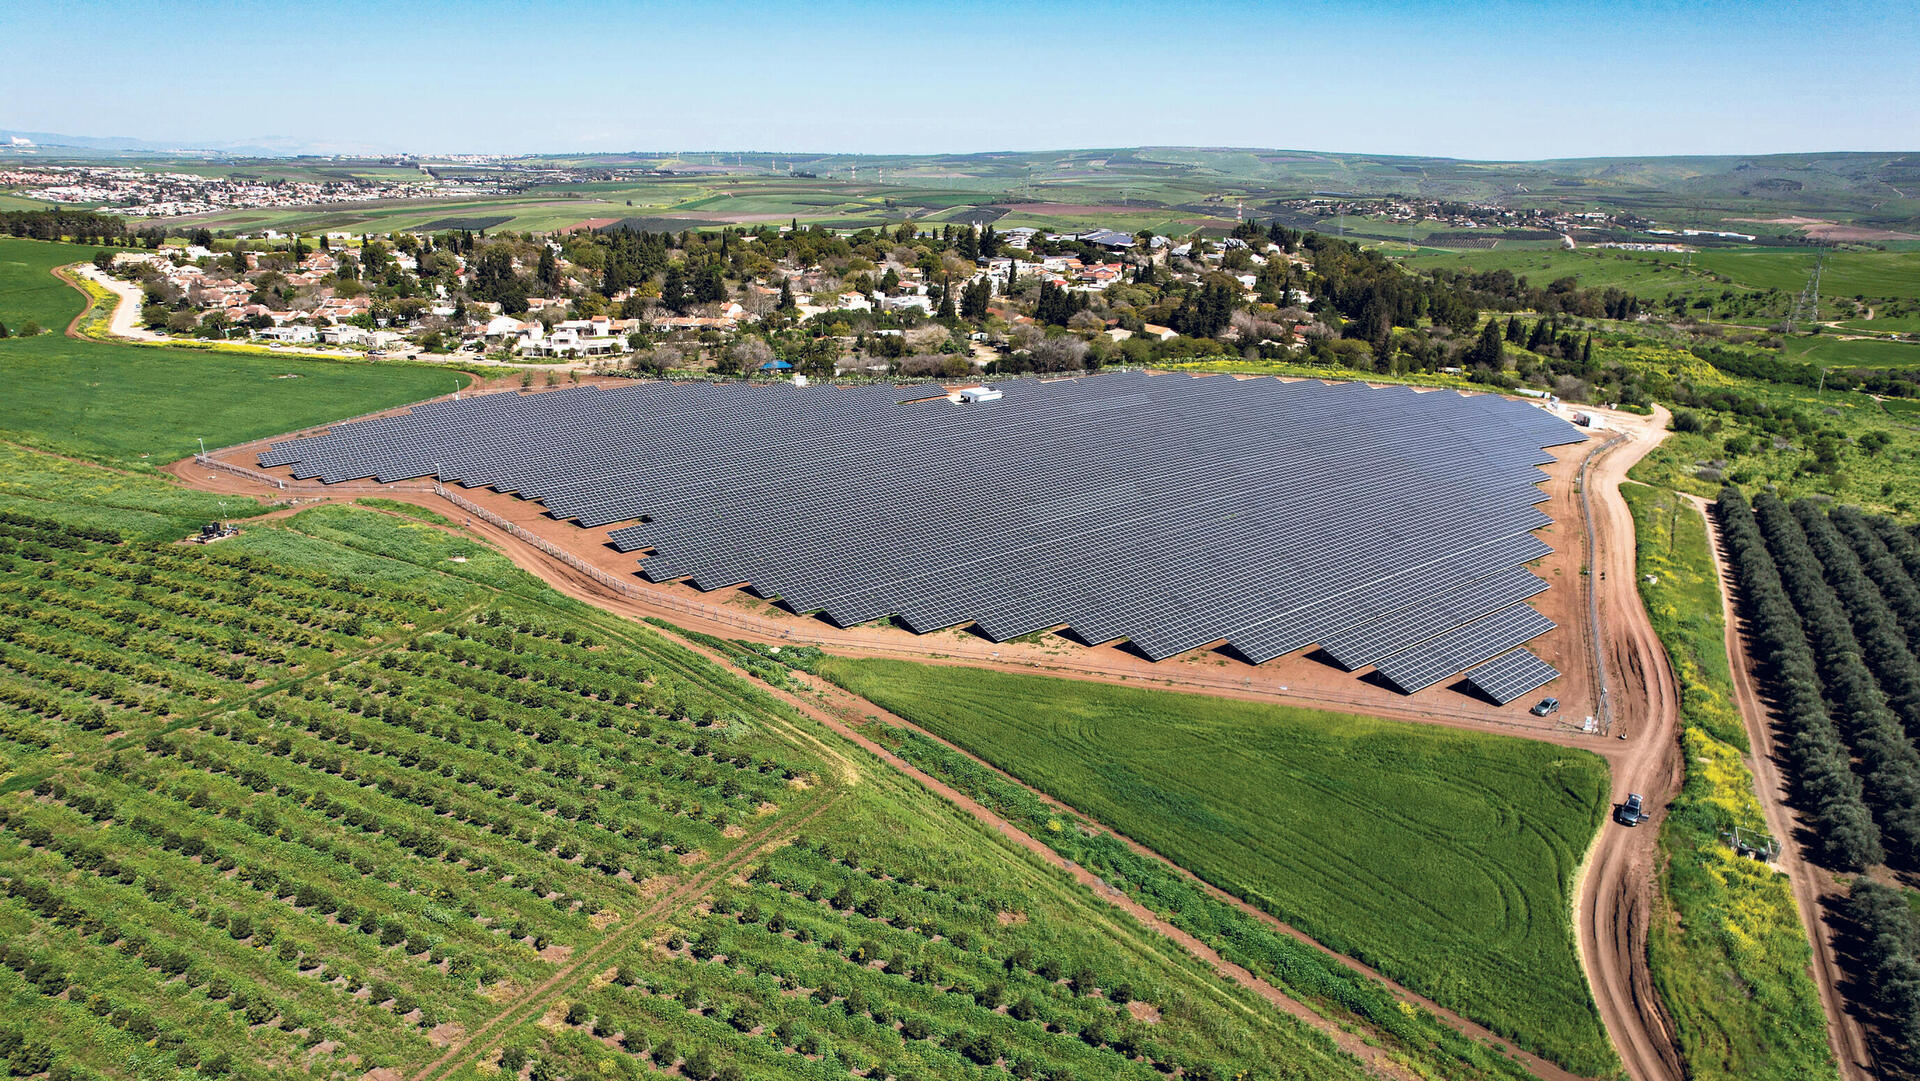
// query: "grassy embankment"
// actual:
[[1728, 952], [1443, 858]]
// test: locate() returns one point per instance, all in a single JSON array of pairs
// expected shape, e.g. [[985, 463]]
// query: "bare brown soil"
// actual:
[[1613, 900], [1814, 890], [1822, 229]]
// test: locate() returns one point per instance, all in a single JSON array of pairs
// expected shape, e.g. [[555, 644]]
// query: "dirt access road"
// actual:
[[1613, 901], [1813, 889], [1614, 894]]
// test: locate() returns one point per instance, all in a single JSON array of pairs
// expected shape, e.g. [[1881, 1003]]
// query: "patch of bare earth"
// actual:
[[1144, 1011], [445, 1033]]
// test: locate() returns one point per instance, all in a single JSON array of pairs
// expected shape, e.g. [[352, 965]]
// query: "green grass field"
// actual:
[[1650, 275], [1643, 274], [142, 406], [1896, 324], [1847, 273], [1443, 858], [1728, 952], [1749, 452], [1833, 352]]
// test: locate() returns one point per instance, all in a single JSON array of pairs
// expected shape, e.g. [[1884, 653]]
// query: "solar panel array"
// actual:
[[1172, 511], [1511, 675]]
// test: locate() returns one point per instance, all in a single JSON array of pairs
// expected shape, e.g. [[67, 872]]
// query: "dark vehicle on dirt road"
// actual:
[[1632, 812]]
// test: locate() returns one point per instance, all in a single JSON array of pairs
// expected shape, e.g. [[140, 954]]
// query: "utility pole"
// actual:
[[203, 446]]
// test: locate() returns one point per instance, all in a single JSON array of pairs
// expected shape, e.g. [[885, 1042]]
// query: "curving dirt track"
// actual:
[[1813, 890], [1613, 901]]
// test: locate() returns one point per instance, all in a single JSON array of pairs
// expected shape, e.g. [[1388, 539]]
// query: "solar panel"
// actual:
[[1172, 511], [1462, 647], [1511, 675]]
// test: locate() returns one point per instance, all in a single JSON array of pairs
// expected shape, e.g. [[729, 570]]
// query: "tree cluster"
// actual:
[[1886, 937]]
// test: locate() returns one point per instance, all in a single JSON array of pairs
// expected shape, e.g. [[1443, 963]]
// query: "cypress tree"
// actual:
[[1491, 349]]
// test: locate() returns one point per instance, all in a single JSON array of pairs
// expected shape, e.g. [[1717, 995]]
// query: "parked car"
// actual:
[[1632, 812], [1546, 706]]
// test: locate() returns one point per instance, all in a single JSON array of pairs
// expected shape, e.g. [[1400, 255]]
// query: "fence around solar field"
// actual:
[[239, 470], [1597, 650]]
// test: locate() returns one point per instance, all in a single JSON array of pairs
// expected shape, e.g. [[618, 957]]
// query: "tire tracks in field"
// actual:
[[534, 1002]]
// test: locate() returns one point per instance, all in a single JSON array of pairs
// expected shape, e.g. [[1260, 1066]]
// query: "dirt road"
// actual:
[[1613, 901], [125, 322], [1813, 889]]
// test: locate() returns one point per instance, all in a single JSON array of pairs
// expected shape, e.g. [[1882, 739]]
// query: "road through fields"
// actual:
[[1614, 899]]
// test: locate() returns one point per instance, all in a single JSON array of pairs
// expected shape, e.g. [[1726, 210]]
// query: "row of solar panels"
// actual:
[[1172, 511]]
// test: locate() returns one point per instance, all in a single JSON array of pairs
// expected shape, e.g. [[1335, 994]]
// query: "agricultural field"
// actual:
[[1442, 858], [1723, 276], [138, 407], [319, 800], [1648, 275], [1834, 618], [1728, 952], [1893, 274], [319, 808], [1835, 352]]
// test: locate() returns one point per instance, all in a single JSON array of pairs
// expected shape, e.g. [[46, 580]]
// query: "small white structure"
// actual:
[[975, 395]]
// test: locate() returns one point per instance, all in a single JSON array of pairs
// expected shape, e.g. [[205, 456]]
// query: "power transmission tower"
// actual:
[[1808, 302]]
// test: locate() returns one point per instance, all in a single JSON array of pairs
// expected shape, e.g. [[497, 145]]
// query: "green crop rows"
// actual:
[[1444, 859], [280, 809]]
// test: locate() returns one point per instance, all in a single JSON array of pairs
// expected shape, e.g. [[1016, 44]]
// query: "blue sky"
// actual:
[[1462, 79]]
